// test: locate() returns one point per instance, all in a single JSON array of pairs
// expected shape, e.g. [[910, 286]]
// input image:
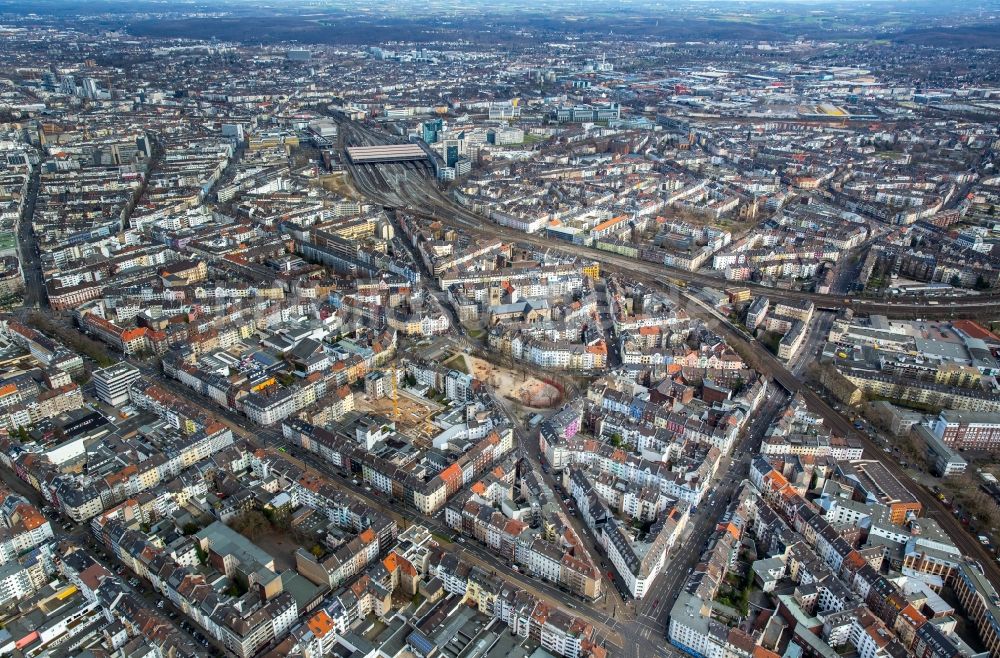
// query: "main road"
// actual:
[[31, 263], [408, 187], [761, 359], [614, 630]]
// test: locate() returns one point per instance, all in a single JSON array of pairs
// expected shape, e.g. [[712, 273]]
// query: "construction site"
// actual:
[[412, 413], [522, 388]]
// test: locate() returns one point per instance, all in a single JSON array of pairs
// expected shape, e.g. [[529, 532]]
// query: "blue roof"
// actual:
[[419, 642]]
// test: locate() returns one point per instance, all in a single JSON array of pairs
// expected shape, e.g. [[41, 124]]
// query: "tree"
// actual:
[[251, 525]]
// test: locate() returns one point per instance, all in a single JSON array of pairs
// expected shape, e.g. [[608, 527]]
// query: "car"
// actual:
[[984, 540], [159, 604]]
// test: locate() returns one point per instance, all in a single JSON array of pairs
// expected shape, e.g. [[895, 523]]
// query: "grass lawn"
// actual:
[[457, 362], [770, 341]]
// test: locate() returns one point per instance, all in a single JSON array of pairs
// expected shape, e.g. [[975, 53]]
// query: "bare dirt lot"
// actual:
[[413, 411], [339, 183], [281, 546], [530, 392]]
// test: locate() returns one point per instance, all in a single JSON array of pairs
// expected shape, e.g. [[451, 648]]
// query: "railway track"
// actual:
[[422, 197]]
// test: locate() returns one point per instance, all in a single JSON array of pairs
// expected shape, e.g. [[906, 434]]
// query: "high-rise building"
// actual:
[[451, 154], [430, 130], [463, 167], [111, 383], [234, 130], [143, 146], [68, 85], [90, 89]]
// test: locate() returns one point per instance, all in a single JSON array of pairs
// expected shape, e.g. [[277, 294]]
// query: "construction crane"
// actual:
[[395, 394]]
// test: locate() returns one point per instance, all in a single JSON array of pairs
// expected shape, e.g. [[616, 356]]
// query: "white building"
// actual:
[[111, 383]]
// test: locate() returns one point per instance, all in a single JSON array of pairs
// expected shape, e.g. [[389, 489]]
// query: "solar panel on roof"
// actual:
[[418, 641]]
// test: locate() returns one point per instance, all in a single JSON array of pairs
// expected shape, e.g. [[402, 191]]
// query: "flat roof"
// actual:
[[884, 482], [938, 446], [971, 417], [385, 153], [943, 348], [226, 541]]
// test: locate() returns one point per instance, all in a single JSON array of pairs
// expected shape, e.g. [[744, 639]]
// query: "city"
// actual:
[[417, 329]]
